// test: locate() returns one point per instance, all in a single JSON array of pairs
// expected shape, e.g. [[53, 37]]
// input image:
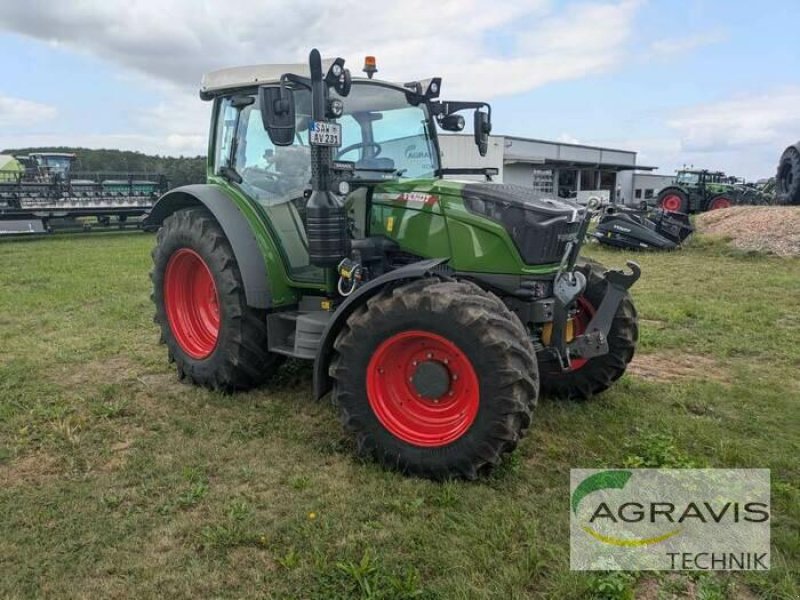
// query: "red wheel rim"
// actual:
[[671, 203], [192, 304], [580, 321], [718, 203], [398, 404]]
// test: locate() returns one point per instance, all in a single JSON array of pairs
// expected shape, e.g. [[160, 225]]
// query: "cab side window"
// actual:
[[271, 174], [226, 125]]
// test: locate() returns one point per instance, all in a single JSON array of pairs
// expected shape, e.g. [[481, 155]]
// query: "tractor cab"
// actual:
[[377, 136], [52, 164], [700, 177]]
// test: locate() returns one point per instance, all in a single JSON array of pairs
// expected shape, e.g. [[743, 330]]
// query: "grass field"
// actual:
[[116, 480]]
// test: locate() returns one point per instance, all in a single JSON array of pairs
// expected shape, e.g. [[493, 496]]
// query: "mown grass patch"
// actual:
[[117, 480]]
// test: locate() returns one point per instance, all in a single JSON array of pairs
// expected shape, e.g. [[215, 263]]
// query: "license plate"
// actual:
[[322, 133]]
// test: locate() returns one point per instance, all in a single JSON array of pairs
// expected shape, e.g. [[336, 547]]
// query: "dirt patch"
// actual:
[[161, 382], [679, 587], [666, 367], [32, 468], [769, 229], [114, 369]]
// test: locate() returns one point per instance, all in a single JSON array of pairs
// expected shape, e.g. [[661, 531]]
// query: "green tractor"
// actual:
[[433, 309], [699, 190]]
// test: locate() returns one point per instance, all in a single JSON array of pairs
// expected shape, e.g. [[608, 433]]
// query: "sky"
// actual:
[[709, 83]]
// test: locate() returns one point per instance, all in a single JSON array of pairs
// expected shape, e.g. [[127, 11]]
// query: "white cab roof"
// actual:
[[238, 77]]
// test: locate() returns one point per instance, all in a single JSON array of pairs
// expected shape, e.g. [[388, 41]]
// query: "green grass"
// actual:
[[115, 480]]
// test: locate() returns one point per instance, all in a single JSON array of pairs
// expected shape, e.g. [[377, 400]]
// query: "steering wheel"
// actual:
[[347, 149]]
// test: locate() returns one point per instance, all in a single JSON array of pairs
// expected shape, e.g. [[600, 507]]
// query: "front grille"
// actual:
[[540, 226]]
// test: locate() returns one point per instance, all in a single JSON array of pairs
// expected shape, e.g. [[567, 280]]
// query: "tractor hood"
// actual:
[[540, 225]]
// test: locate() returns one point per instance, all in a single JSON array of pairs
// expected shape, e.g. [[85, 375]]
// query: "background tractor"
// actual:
[[433, 309], [698, 190]]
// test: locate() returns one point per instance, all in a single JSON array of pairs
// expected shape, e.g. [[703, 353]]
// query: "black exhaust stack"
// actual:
[[326, 216]]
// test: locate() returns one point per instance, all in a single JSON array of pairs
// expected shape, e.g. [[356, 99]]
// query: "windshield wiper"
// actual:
[[392, 170]]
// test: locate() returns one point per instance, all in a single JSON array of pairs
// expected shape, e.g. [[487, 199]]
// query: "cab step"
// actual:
[[296, 333]]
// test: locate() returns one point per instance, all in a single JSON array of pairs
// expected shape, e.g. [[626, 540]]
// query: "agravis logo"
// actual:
[[670, 519]]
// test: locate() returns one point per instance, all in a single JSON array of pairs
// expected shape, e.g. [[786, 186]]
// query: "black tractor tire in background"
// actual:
[[787, 180], [472, 337], [599, 373], [214, 338], [673, 199]]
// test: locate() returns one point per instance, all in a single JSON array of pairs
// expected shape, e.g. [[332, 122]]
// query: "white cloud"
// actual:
[[742, 136], [567, 138], [172, 42], [177, 40], [754, 119], [670, 47], [21, 114]]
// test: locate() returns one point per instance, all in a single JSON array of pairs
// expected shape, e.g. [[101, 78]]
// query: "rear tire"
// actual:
[[595, 375], [673, 199], [787, 181], [491, 374], [214, 338]]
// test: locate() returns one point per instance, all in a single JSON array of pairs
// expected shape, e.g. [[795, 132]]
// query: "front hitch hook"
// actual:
[[624, 280]]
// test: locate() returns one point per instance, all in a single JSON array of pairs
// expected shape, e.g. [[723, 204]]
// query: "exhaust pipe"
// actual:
[[326, 216]]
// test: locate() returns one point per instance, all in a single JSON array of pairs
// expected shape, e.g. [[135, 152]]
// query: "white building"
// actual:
[[642, 187], [552, 167]]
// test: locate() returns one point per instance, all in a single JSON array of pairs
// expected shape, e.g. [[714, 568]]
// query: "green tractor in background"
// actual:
[[434, 309], [699, 190]]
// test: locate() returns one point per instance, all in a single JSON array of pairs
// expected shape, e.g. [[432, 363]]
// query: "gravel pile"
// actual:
[[770, 229]]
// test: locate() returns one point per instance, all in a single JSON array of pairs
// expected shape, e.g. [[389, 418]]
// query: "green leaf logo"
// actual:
[[599, 481], [617, 480]]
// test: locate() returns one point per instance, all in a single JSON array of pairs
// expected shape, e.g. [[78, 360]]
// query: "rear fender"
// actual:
[[236, 227], [417, 270]]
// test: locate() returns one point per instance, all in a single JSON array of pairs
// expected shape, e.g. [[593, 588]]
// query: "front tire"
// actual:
[[435, 378], [589, 377], [214, 338]]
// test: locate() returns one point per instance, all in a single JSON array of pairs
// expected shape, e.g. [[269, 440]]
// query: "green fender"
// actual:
[[265, 282]]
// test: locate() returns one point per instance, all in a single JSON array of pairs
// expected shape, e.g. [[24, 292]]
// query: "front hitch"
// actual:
[[594, 341]]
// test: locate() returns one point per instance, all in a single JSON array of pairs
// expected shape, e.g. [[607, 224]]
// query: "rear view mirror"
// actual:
[[483, 127], [277, 113]]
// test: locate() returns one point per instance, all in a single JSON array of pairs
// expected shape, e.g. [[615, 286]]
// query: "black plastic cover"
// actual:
[[541, 226]]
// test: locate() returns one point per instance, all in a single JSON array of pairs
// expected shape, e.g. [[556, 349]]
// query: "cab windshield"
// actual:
[[383, 133], [688, 178], [56, 164]]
